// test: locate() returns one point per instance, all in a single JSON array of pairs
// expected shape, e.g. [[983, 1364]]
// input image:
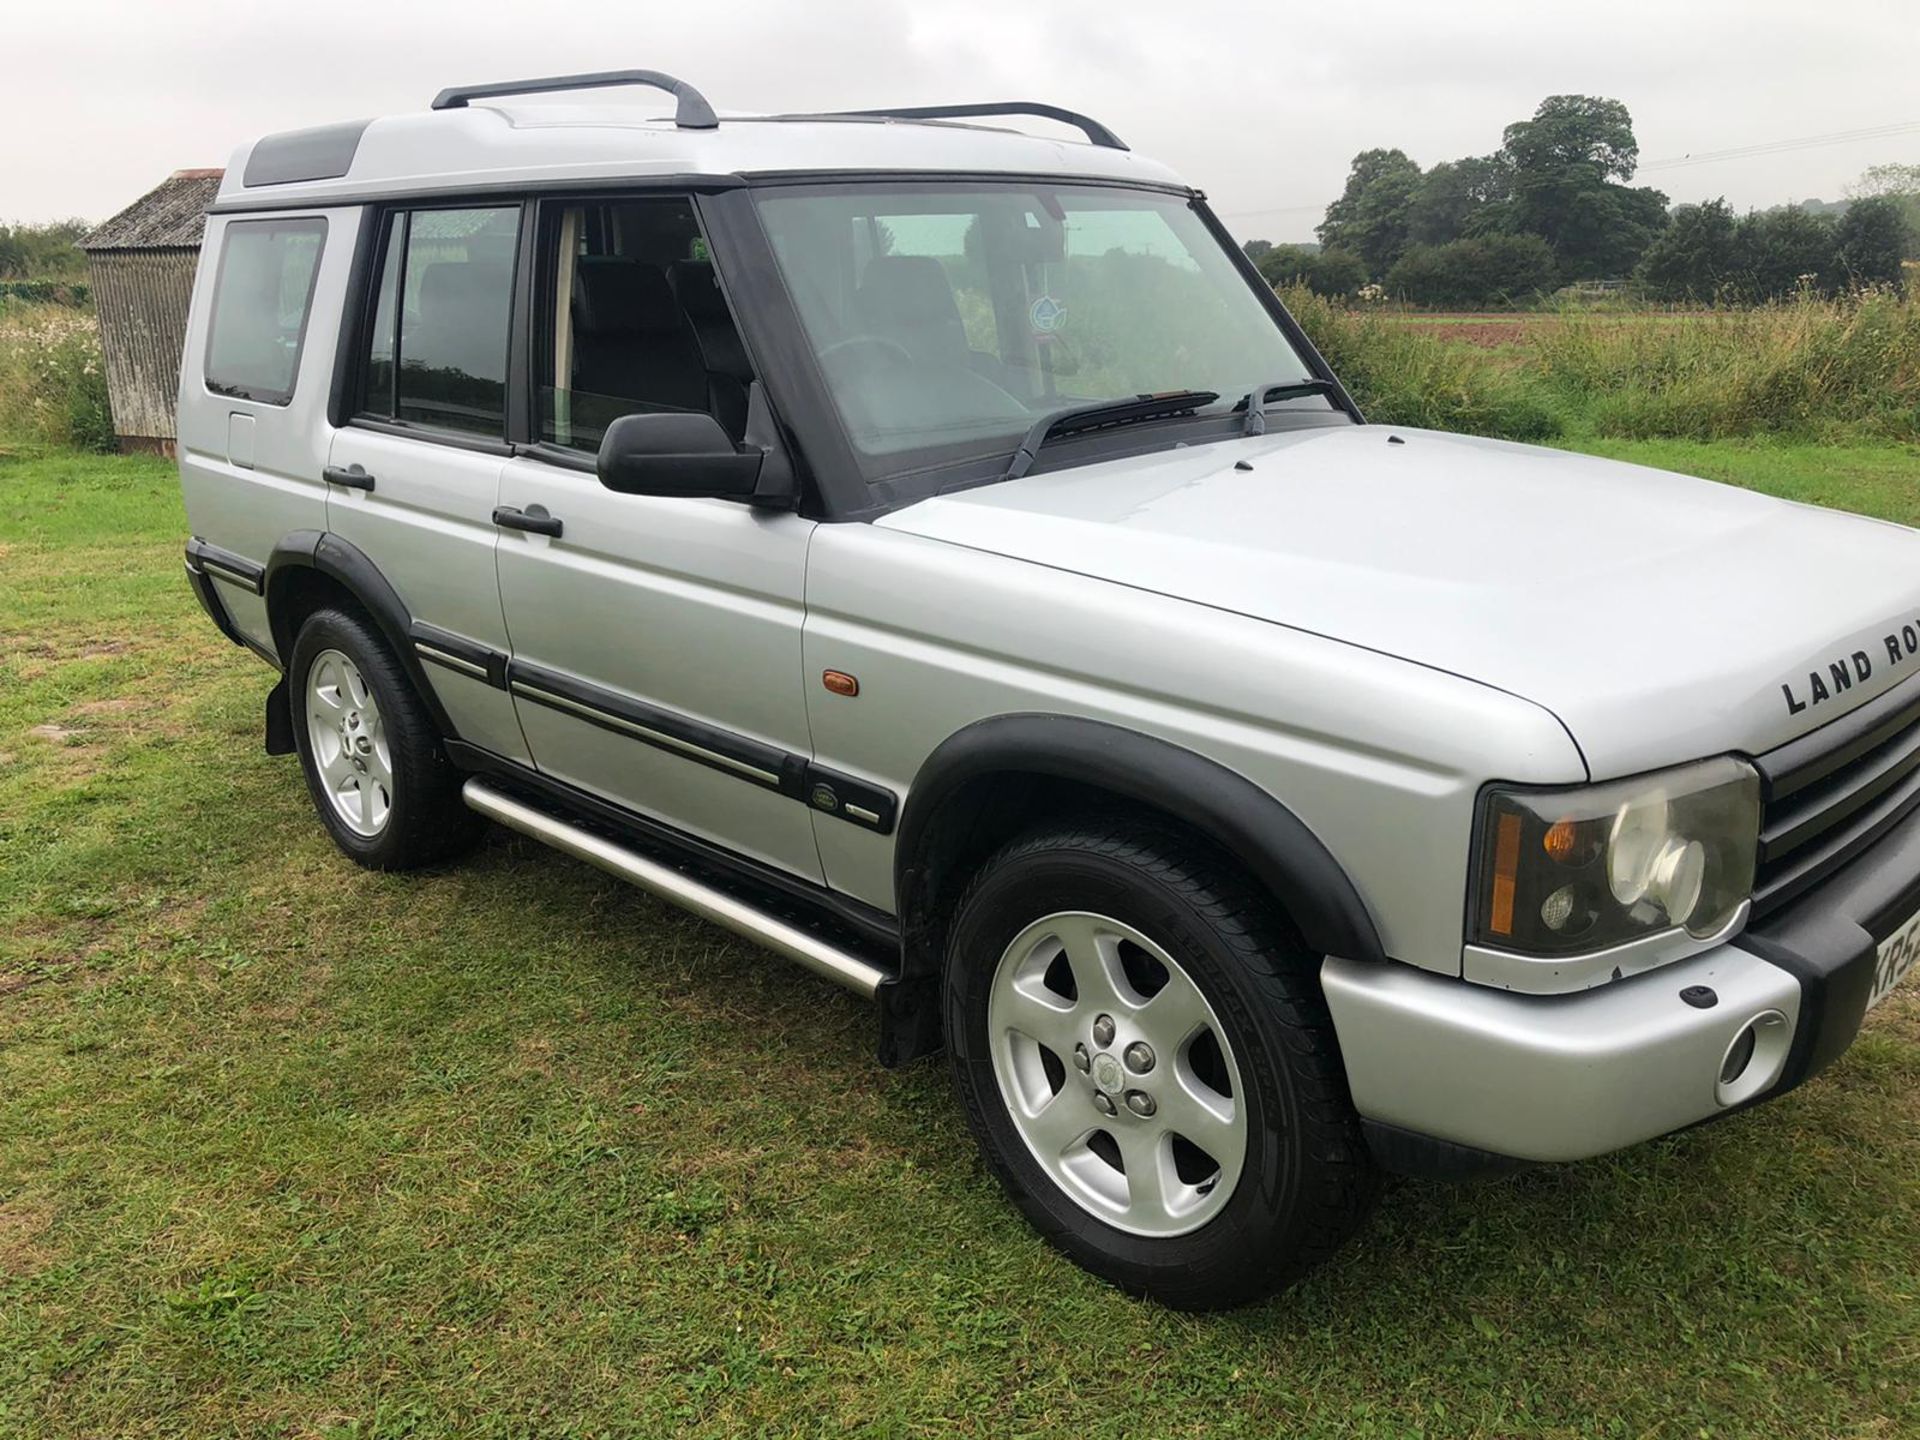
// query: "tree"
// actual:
[[1900, 183], [1870, 241], [1256, 248], [1694, 259], [1370, 217], [1564, 170], [1583, 136], [1480, 270], [1606, 231], [1453, 197], [1777, 252]]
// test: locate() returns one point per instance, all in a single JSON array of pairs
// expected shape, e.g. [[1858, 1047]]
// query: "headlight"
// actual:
[[1565, 872]]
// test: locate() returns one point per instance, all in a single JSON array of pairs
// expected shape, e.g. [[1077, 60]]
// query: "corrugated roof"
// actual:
[[169, 216]]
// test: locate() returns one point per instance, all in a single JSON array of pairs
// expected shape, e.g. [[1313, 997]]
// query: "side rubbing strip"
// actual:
[[856, 801], [459, 654], [736, 754], [450, 662], [226, 565]]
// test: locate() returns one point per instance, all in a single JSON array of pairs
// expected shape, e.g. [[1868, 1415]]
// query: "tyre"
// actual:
[[373, 760], [1145, 1057]]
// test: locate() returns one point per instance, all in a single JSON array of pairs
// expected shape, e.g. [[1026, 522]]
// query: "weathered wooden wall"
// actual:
[[142, 298]]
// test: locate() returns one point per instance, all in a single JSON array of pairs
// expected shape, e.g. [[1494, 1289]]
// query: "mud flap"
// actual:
[[279, 720]]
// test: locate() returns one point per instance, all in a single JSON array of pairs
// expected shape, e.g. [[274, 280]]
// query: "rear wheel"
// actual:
[[375, 767], [1145, 1057]]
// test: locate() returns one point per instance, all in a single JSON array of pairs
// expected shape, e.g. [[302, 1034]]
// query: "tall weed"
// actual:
[[53, 386], [1403, 376], [1813, 367]]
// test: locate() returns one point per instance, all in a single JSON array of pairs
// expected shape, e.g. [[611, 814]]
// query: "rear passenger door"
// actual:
[[656, 640], [414, 476]]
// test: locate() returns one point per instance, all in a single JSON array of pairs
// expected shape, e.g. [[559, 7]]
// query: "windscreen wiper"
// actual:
[[1102, 416], [1255, 401]]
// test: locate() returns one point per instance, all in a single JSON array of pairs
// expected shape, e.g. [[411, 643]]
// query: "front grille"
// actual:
[[1830, 794]]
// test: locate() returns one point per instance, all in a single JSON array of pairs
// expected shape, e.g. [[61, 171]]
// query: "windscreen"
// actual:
[[946, 318]]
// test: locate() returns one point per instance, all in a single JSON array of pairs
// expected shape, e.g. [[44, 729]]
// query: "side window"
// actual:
[[261, 296], [631, 319], [437, 345]]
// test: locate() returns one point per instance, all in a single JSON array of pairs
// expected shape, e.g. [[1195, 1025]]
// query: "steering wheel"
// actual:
[[891, 352]]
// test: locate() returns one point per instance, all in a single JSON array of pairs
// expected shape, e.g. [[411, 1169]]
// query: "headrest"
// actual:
[[906, 290], [698, 292], [448, 285], [623, 297]]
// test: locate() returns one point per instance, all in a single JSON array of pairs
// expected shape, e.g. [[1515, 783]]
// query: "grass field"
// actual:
[[287, 1148]]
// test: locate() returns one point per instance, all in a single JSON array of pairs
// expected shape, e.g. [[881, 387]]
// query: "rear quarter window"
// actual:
[[262, 294]]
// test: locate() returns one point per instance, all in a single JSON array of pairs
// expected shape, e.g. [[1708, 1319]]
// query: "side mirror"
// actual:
[[678, 453]]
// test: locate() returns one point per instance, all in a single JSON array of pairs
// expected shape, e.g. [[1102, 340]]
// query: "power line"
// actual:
[[1271, 210], [1781, 147]]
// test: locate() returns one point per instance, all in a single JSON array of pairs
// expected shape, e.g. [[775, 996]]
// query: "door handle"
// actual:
[[354, 477], [534, 518]]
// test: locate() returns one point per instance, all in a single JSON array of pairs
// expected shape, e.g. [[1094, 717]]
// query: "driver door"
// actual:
[[656, 640]]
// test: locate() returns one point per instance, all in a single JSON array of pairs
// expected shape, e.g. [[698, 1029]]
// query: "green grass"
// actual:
[[287, 1148], [1881, 480]]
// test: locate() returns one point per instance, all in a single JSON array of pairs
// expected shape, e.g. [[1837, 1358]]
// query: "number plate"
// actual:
[[1897, 954]]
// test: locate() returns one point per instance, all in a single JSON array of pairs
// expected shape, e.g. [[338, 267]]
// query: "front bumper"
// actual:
[[1563, 1077]]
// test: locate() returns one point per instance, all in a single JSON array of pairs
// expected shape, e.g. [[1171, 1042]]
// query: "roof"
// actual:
[[168, 217], [514, 142]]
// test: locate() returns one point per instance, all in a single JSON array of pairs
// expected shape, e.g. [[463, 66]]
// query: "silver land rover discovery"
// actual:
[[930, 551]]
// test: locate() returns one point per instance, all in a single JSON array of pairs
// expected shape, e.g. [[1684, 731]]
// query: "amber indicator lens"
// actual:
[[1568, 842], [1506, 862], [839, 682]]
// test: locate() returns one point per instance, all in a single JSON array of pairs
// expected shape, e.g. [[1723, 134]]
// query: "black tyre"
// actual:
[[373, 760], [1144, 1054]]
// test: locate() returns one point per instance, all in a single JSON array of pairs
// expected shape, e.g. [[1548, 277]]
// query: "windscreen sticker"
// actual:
[[1046, 315]]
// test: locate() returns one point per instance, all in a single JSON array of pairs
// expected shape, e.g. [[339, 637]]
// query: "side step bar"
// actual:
[[858, 975]]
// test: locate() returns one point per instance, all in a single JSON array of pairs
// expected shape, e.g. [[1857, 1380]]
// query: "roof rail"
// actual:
[[693, 112], [1096, 132]]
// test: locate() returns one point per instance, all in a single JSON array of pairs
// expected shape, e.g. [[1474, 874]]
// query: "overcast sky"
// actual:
[[1262, 106]]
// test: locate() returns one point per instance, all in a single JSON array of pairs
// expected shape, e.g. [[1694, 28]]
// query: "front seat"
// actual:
[[728, 373], [631, 341], [908, 299]]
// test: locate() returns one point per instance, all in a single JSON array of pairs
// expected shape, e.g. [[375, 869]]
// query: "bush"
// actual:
[[43, 252], [47, 292], [1324, 272], [53, 386], [1401, 376], [1475, 273]]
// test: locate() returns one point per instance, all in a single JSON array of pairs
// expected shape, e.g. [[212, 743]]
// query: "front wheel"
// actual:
[[1147, 1062]]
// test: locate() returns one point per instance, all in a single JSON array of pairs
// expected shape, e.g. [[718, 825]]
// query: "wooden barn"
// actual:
[[142, 262]]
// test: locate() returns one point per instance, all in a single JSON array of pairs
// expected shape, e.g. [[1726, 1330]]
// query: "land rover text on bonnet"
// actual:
[[930, 551]]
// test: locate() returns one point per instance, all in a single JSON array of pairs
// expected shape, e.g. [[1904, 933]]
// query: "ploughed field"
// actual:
[[287, 1148]]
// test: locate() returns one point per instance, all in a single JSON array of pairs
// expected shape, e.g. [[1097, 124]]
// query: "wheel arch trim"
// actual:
[[350, 567], [1278, 849]]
